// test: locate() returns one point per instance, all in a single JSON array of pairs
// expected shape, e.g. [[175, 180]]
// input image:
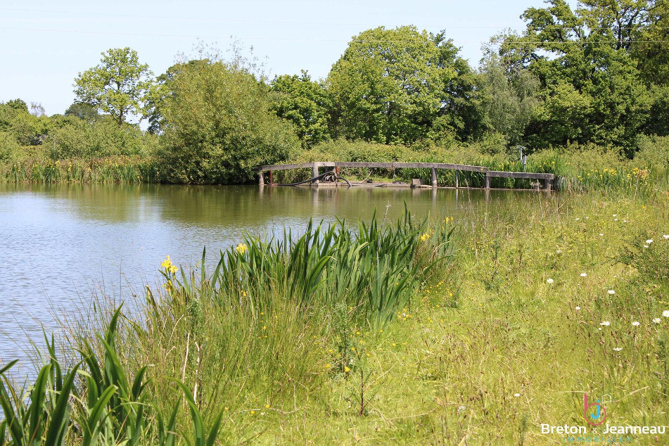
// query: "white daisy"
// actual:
[[617, 349], [610, 292], [656, 320], [666, 313], [517, 395], [605, 323], [583, 274], [601, 234], [578, 308], [636, 324], [550, 280], [666, 237], [650, 241]]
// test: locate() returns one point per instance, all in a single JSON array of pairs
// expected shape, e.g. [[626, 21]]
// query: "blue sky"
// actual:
[[45, 44]]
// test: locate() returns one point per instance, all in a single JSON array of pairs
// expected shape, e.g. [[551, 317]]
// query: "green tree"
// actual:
[[117, 86], [305, 103], [460, 99], [217, 125], [509, 99], [83, 111], [26, 129], [390, 86], [592, 87]]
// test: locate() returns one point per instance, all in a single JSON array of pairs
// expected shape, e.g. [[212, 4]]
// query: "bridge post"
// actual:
[[315, 173], [547, 184], [261, 181], [488, 181], [433, 177], [456, 179]]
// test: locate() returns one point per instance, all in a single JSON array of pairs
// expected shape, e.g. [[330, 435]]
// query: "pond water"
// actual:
[[61, 244]]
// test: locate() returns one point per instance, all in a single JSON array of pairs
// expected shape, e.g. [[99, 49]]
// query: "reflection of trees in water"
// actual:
[[249, 206]]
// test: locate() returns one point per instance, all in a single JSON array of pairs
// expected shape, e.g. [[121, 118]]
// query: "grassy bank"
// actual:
[[580, 167], [358, 337]]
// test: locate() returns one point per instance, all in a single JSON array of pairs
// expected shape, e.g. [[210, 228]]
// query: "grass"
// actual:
[[114, 169], [355, 335]]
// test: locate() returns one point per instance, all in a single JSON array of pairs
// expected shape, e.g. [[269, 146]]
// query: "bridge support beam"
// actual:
[[488, 181], [315, 173], [433, 177]]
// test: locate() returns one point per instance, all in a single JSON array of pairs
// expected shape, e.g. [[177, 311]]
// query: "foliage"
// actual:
[[592, 86], [83, 111], [118, 86], [305, 103], [218, 127], [100, 138], [509, 98], [9, 147], [399, 86], [116, 169]]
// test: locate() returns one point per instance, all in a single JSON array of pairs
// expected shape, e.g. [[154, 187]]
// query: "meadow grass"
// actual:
[[469, 329]]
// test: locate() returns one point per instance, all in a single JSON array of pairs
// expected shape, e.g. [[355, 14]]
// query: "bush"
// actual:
[[218, 127], [81, 139], [9, 147]]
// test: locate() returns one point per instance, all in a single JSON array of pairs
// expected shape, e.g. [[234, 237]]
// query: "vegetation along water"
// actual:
[[448, 317]]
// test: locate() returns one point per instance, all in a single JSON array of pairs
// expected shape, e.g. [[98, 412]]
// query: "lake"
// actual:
[[62, 244]]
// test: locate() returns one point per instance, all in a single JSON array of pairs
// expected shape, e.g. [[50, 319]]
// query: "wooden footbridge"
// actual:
[[548, 178]]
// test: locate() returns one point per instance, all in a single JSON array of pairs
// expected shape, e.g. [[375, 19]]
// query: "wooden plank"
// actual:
[[447, 166], [537, 176], [365, 165], [285, 167], [371, 165]]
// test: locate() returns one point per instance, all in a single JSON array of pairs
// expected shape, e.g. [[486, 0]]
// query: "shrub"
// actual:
[[218, 127]]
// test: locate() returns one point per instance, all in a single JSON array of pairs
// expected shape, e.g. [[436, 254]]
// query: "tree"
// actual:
[[117, 86], [594, 87], [400, 86], [305, 103], [83, 111], [509, 97], [217, 125]]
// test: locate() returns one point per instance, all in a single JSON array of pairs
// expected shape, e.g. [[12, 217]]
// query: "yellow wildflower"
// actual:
[[241, 248], [347, 369], [168, 266], [425, 236]]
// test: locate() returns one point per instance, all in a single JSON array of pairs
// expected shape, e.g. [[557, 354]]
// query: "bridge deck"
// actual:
[[548, 178]]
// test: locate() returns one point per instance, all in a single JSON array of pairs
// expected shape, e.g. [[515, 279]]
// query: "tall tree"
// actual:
[[509, 98], [117, 86], [592, 85], [305, 103], [391, 86]]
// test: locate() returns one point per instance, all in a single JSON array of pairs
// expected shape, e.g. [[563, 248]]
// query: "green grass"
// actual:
[[354, 335], [114, 169]]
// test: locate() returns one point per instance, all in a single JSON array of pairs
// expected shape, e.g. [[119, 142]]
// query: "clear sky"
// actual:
[[45, 44]]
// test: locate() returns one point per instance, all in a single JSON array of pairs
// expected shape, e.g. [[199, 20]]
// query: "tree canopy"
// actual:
[[595, 84], [398, 86], [217, 125], [117, 86]]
